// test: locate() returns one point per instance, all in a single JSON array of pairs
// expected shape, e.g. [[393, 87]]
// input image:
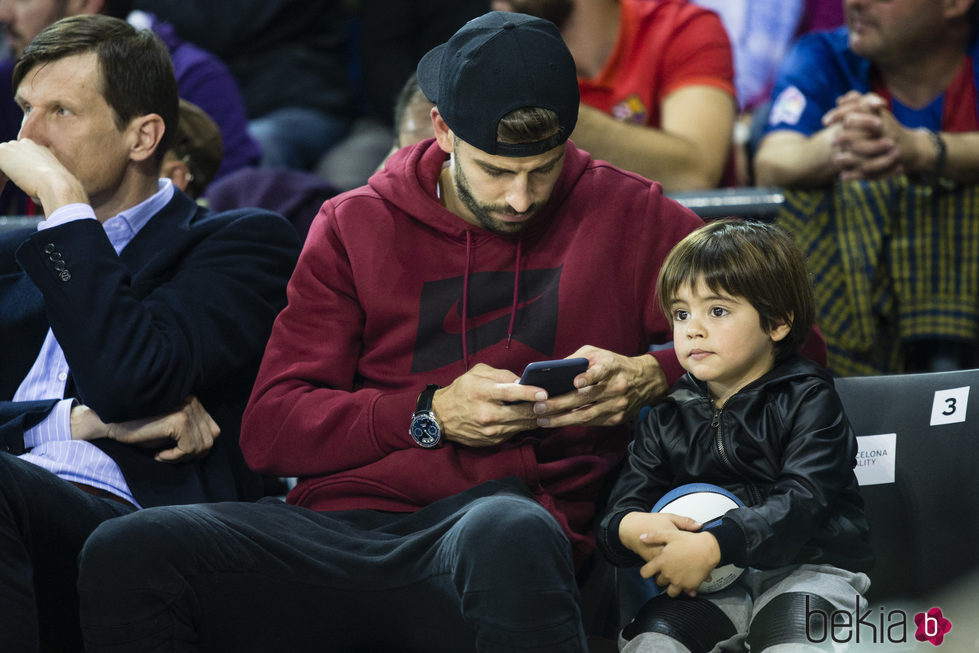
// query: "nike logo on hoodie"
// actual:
[[490, 303]]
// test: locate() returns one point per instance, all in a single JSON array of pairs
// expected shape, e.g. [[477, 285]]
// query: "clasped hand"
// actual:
[[677, 556], [869, 143], [189, 428], [486, 406]]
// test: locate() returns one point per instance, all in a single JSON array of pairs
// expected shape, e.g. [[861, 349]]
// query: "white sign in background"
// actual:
[[876, 454], [950, 406], [875, 458]]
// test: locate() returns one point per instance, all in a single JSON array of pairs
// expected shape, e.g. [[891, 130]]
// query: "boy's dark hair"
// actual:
[[136, 72], [754, 260]]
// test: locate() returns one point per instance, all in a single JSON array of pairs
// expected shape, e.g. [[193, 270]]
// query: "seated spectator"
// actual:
[[758, 419], [761, 32], [132, 320], [290, 59], [201, 78], [412, 116], [657, 85], [391, 36], [298, 195], [205, 80], [195, 151], [890, 101], [465, 258], [394, 34], [895, 101]]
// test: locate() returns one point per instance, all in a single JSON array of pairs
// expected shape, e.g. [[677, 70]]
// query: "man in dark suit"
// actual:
[[132, 320]]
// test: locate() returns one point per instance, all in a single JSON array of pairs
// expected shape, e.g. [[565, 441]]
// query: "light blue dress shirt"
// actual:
[[49, 442]]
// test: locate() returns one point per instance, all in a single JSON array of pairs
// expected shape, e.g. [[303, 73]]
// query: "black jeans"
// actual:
[[486, 570], [43, 523]]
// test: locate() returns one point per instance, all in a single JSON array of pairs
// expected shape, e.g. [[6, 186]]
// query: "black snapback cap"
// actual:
[[495, 64]]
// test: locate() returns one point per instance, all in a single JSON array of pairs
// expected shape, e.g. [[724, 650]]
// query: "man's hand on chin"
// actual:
[[37, 172]]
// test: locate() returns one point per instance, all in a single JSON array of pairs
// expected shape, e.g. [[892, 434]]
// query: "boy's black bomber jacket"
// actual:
[[782, 444]]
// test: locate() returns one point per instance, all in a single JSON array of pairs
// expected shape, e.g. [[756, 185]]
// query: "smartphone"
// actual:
[[556, 376]]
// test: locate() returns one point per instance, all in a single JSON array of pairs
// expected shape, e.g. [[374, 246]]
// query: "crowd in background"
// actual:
[[310, 99], [319, 82], [139, 297]]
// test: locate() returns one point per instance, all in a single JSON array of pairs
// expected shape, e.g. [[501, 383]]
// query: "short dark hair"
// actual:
[[755, 260], [136, 72], [527, 125]]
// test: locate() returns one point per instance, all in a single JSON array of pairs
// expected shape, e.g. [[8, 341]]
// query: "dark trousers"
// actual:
[[485, 570], [43, 524]]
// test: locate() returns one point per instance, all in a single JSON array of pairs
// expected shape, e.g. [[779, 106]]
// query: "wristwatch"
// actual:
[[934, 176], [425, 429]]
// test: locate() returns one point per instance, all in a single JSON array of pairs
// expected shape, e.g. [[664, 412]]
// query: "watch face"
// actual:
[[425, 430]]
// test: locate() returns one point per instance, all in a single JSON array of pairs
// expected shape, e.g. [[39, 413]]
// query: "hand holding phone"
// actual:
[[555, 376]]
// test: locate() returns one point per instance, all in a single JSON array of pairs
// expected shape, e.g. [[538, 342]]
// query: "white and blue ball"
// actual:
[[705, 503]]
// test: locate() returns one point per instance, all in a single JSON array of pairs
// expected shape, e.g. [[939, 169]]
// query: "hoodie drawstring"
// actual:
[[465, 297], [516, 296]]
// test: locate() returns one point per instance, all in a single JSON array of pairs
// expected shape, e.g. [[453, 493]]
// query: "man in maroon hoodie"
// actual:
[[441, 506]]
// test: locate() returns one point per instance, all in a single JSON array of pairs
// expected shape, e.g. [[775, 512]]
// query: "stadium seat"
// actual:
[[918, 468]]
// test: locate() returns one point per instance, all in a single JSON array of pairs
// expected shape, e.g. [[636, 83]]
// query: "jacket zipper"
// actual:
[[715, 424], [718, 441]]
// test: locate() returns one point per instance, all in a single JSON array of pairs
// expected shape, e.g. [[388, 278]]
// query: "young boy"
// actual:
[[755, 418]]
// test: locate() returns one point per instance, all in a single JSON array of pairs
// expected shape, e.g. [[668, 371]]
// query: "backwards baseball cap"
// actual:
[[495, 64]]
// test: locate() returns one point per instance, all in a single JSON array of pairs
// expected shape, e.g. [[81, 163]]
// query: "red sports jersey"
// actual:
[[663, 45]]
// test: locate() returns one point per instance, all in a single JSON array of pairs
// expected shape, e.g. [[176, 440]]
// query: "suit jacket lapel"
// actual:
[[162, 240]]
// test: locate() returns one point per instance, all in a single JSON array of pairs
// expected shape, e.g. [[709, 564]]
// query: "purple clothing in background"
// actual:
[[294, 194], [761, 32], [202, 78], [822, 15], [206, 81]]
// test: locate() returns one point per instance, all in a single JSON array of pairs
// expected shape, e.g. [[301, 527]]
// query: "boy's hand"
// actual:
[[684, 561], [637, 528]]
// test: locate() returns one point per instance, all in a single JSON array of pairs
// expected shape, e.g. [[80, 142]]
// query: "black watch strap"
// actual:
[[425, 398], [425, 428]]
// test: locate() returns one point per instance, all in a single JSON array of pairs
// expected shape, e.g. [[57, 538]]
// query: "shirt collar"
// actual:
[[122, 228]]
